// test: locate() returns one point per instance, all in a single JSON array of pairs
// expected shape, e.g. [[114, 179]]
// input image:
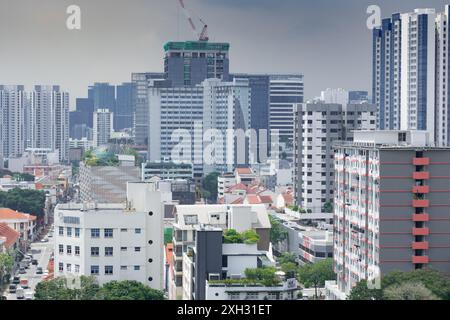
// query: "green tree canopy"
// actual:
[[26, 201], [210, 186], [277, 232], [247, 237], [265, 276], [315, 275], [6, 265], [128, 290], [408, 291], [287, 257]]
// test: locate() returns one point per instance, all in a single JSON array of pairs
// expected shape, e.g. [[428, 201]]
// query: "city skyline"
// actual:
[[118, 38]]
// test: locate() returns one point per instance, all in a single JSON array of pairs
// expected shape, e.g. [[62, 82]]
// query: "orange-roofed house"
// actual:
[[23, 223], [244, 175], [9, 238]]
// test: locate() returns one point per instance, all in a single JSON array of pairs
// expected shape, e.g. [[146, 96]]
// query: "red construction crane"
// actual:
[[203, 35]]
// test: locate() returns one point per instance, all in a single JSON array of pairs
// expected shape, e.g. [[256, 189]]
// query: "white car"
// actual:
[[29, 295]]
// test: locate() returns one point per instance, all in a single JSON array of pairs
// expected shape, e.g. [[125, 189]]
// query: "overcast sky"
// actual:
[[326, 40]]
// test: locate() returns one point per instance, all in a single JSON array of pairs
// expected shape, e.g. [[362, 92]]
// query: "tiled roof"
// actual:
[[266, 199], [238, 201], [9, 234], [244, 170], [9, 214], [253, 199]]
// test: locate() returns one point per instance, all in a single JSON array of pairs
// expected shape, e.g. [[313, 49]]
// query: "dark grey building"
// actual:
[[189, 63], [103, 95], [123, 115]]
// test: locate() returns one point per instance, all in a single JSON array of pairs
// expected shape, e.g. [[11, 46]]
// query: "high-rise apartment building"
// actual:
[[13, 112], [391, 209], [49, 120], [190, 63], [339, 96], [410, 73], [103, 126], [285, 92], [140, 105], [317, 127], [189, 111]]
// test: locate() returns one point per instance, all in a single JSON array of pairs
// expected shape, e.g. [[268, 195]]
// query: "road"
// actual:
[[41, 251]]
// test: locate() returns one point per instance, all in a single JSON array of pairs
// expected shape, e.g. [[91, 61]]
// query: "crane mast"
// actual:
[[203, 35]]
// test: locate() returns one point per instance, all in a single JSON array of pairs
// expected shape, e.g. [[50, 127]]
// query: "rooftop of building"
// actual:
[[9, 235], [196, 46], [9, 214]]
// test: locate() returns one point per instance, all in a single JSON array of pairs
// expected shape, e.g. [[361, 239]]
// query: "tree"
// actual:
[[264, 275], [128, 290], [210, 186], [287, 257], [290, 269], [247, 237], [277, 232], [361, 291], [27, 201], [61, 289], [250, 237], [328, 207], [315, 275], [6, 265], [408, 291]]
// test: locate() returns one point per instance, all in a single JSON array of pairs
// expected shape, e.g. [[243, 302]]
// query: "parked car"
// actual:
[[34, 262], [12, 288], [20, 294], [24, 283], [22, 270], [16, 280], [39, 270], [29, 295]]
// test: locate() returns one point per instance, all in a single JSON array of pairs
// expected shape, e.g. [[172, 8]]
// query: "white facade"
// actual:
[[49, 120], [112, 241], [13, 106], [339, 96], [103, 126], [317, 127], [224, 182]]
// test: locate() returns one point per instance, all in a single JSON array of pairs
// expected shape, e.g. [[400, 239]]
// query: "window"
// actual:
[[69, 267], [108, 251], [108, 233], [61, 249], [95, 270], [123, 267], [137, 249], [61, 267], [77, 232], [234, 296], [77, 268], [108, 270], [137, 268], [252, 296], [69, 232], [61, 231], [95, 251], [123, 248], [95, 233], [69, 249], [77, 250], [123, 230], [137, 230]]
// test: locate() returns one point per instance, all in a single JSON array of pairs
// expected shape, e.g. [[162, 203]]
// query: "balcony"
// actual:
[[421, 161], [420, 245], [420, 231], [421, 189], [424, 217], [424, 175], [420, 259], [420, 203]]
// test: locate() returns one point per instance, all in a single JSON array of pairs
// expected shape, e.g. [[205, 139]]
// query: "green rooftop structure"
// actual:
[[189, 63]]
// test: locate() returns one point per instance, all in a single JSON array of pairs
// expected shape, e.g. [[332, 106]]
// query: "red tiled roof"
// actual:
[[244, 170], [9, 234], [9, 214], [266, 199], [238, 201], [239, 186], [253, 199]]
